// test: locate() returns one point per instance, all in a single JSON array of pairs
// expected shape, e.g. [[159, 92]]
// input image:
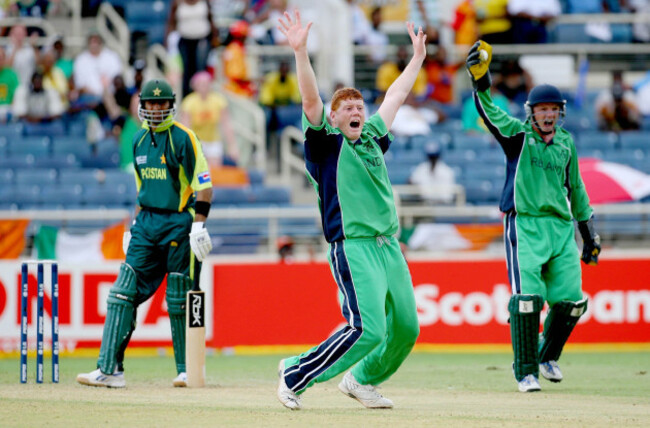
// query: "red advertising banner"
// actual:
[[458, 302]]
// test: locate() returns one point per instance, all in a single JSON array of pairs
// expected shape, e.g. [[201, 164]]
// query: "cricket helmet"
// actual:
[[157, 90], [545, 94]]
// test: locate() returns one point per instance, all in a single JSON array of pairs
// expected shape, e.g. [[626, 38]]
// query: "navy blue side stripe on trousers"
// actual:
[[331, 350], [512, 257]]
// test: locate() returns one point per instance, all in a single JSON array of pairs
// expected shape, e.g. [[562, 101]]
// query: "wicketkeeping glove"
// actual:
[[200, 240], [591, 242], [478, 65]]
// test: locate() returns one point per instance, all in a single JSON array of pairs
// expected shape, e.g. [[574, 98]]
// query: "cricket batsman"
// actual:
[[168, 236], [345, 163], [543, 194]]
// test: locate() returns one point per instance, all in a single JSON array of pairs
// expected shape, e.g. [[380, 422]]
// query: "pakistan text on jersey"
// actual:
[[154, 173], [546, 166]]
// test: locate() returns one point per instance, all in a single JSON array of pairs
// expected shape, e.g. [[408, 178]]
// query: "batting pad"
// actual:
[[177, 287], [119, 318], [524, 330], [559, 324]]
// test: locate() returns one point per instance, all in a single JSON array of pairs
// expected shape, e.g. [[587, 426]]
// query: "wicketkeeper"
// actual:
[[542, 195], [168, 236]]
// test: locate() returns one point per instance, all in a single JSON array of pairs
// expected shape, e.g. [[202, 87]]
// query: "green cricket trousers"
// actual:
[[378, 303]]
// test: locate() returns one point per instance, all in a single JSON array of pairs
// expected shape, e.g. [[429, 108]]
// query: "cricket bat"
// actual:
[[195, 339]]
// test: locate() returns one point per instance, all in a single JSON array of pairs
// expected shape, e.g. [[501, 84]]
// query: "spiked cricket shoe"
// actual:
[[364, 394], [180, 381], [551, 371], [97, 378], [287, 397], [529, 384]]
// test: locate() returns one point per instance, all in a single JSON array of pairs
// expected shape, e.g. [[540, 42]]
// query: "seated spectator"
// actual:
[[416, 118], [94, 69], [22, 54], [35, 104], [472, 122], [529, 19], [435, 178], [264, 24], [616, 108], [440, 76], [8, 84], [53, 76], [206, 113], [514, 82], [389, 71], [238, 79], [280, 88], [62, 61], [494, 25]]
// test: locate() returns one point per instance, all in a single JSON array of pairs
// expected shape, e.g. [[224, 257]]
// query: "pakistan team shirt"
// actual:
[[355, 196], [169, 167], [541, 179]]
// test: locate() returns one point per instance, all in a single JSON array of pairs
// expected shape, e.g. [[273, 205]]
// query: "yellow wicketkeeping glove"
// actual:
[[478, 65]]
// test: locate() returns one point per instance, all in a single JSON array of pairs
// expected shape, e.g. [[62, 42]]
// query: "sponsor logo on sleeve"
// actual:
[[204, 177]]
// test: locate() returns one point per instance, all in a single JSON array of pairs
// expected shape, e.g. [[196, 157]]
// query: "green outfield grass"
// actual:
[[431, 389]]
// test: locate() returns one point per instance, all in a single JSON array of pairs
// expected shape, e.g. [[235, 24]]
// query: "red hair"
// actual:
[[344, 94]]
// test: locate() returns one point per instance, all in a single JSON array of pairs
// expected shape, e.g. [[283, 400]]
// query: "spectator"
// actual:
[[206, 112], [530, 18], [464, 23], [425, 14], [22, 55], [616, 108], [238, 79], [389, 71], [53, 76], [514, 82], [285, 249], [494, 25], [440, 76], [360, 25], [472, 122], [192, 19], [94, 69], [30, 8], [64, 63], [280, 88], [435, 178], [8, 83], [263, 28], [33, 103]]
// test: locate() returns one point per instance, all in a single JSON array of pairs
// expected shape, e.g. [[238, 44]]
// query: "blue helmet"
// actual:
[[544, 94]]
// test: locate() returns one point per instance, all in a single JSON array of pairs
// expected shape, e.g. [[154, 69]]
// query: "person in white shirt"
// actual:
[[529, 19], [436, 179], [95, 68]]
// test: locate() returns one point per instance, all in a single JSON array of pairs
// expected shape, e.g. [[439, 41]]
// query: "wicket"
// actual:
[[24, 301]]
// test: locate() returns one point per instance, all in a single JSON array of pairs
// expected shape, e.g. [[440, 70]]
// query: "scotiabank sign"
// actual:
[[462, 302]]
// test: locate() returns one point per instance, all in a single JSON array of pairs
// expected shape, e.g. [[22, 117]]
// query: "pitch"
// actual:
[[431, 389]]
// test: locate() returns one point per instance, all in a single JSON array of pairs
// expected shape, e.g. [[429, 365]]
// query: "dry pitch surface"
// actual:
[[431, 389]]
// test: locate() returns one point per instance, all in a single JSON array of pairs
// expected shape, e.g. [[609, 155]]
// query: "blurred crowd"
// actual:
[[43, 84]]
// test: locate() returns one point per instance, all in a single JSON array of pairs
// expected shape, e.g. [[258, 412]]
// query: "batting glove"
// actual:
[[478, 65], [200, 240], [591, 242]]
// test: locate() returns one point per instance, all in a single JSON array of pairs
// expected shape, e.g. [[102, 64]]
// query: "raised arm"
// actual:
[[399, 90], [297, 36]]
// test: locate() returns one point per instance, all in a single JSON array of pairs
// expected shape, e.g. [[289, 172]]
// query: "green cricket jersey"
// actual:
[[169, 167], [355, 196], [541, 179]]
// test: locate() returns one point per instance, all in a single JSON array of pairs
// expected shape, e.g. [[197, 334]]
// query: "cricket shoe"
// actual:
[[364, 394], [97, 378], [180, 381], [287, 397], [529, 384], [551, 371]]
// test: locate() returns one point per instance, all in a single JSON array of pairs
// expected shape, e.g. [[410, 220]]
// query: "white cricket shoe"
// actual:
[[180, 381], [364, 394], [529, 384], [287, 397], [551, 371], [97, 378]]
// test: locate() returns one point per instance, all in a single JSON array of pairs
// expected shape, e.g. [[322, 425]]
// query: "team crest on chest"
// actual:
[[163, 160]]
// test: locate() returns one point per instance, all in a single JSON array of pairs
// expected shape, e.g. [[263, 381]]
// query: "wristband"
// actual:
[[202, 208]]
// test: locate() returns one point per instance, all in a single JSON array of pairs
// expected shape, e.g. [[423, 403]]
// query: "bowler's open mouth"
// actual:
[[354, 124]]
